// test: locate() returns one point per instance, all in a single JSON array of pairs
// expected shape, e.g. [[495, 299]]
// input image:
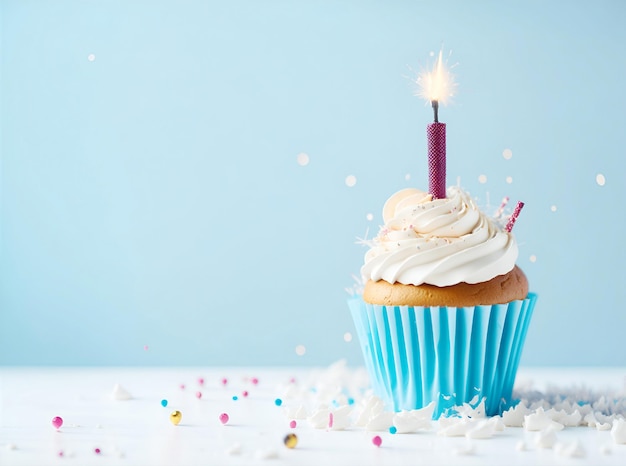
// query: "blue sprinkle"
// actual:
[[164, 403], [350, 401], [278, 402], [235, 397], [393, 430]]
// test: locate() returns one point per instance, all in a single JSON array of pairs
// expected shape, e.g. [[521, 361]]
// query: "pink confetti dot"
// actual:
[[293, 424], [145, 348], [182, 386], [377, 440], [200, 381], [224, 381], [254, 381], [97, 451], [60, 453], [245, 393], [198, 395], [57, 422], [224, 418]]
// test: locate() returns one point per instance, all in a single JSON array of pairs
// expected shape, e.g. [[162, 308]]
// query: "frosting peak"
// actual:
[[441, 242]]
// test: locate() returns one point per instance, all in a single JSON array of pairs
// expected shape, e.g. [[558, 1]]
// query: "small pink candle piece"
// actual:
[[513, 217]]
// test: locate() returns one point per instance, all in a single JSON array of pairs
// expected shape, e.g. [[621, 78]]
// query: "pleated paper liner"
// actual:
[[416, 355]]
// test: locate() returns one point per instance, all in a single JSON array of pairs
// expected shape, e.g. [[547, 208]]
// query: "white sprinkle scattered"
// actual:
[[482, 179], [600, 179], [234, 449], [466, 450], [300, 350], [350, 181], [120, 394], [266, 454], [509, 179], [553, 208], [606, 449], [302, 159], [546, 438], [347, 337], [507, 154], [572, 450], [533, 258], [91, 57], [370, 217]]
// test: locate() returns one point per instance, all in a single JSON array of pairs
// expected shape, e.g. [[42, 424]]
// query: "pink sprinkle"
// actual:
[[57, 422], [224, 418], [198, 395], [292, 380], [60, 453], [224, 381], [245, 393], [377, 441], [330, 420], [200, 381], [97, 451], [254, 381], [293, 424], [145, 348], [513, 218], [182, 386]]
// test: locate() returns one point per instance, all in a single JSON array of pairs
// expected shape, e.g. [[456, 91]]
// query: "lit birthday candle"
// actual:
[[437, 86]]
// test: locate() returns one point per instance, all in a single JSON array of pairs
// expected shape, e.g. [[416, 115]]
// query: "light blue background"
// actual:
[[152, 196]]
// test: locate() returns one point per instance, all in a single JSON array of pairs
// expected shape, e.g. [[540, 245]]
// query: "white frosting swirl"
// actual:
[[441, 242]]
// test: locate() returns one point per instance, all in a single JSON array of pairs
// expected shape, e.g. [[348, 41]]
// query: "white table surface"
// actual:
[[138, 431]]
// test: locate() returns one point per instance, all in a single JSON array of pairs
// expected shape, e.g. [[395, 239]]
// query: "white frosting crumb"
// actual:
[[407, 422], [562, 417], [458, 427], [297, 412], [466, 450], [371, 407], [483, 429], [120, 394], [319, 418], [234, 449], [606, 449], [266, 454], [546, 438], [571, 450], [540, 420], [521, 446], [341, 418], [618, 432], [380, 422], [514, 417]]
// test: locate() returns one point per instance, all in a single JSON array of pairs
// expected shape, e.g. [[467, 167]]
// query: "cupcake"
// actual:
[[445, 309]]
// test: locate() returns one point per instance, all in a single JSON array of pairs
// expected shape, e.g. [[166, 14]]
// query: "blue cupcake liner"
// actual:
[[416, 355]]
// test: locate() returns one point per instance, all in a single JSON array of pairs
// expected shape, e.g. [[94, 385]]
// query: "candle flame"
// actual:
[[436, 84]]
